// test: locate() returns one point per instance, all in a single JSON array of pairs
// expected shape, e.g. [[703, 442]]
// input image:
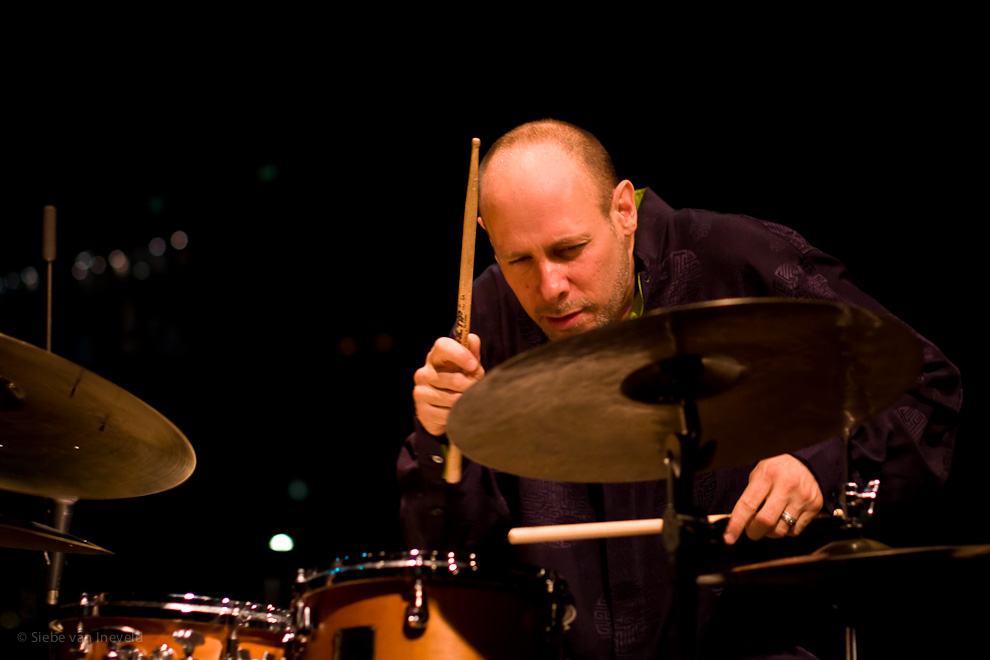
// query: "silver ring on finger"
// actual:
[[788, 519]]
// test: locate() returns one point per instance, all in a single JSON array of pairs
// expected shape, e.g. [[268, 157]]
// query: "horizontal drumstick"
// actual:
[[598, 530]]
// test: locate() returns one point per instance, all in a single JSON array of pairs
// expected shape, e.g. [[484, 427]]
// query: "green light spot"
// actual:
[[298, 490], [268, 173], [281, 543]]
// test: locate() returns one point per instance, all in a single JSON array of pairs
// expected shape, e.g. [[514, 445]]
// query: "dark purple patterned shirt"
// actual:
[[621, 585]]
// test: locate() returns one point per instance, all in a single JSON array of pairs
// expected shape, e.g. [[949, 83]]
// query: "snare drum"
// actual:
[[172, 628], [419, 606]]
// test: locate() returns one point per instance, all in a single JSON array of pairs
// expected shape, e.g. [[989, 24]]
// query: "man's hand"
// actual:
[[449, 371], [776, 485]]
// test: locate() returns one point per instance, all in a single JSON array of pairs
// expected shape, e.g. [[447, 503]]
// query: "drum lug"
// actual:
[[81, 647], [233, 646], [82, 643], [111, 634], [235, 652], [129, 652], [163, 653], [304, 621], [418, 611], [188, 639], [244, 654]]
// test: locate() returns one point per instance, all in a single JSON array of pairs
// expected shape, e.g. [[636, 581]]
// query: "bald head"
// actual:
[[561, 227], [551, 135]]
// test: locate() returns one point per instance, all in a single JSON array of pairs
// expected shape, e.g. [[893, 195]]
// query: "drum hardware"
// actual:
[[188, 639], [177, 627], [112, 636], [422, 605], [81, 644], [235, 652], [855, 505], [244, 654], [417, 612], [67, 434], [761, 377], [61, 516], [847, 567]]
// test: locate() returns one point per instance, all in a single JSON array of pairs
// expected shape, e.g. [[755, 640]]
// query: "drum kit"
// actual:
[[704, 386], [699, 387]]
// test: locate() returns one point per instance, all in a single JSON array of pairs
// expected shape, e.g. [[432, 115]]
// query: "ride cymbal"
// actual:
[[768, 376]]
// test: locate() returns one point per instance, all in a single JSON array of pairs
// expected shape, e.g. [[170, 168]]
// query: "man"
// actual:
[[577, 249]]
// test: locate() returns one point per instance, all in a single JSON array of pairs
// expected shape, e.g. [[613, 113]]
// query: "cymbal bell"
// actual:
[[768, 376], [35, 536], [66, 433]]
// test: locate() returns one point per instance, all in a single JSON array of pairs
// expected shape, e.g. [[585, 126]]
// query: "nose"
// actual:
[[554, 283]]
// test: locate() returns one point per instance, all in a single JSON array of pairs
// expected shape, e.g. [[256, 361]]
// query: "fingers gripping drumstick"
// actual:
[[453, 474]]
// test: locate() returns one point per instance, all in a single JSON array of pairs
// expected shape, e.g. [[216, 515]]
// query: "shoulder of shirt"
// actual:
[[732, 222]]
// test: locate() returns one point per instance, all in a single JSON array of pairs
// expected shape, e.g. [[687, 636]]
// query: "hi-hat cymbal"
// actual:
[[66, 433], [35, 536], [769, 376], [858, 560]]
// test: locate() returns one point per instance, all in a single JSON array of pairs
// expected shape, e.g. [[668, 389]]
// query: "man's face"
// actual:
[[570, 267]]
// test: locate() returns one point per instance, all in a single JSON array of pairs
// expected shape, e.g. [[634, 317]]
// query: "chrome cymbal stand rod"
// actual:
[[686, 533], [61, 507], [61, 517]]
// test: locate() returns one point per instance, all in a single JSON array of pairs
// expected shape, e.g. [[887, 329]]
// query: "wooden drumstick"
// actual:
[[463, 325], [48, 254], [599, 530]]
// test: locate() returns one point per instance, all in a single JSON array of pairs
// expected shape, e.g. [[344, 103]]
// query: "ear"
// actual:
[[624, 213], [481, 223]]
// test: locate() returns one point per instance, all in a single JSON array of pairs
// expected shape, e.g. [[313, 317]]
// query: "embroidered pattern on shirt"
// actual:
[[680, 279], [791, 280]]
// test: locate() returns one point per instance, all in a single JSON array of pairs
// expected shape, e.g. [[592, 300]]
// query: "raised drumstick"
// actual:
[[463, 326], [48, 254], [599, 530]]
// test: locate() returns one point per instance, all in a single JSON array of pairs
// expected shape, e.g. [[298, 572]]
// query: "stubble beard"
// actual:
[[601, 315]]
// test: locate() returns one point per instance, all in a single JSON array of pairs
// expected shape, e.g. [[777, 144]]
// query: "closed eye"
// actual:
[[571, 251]]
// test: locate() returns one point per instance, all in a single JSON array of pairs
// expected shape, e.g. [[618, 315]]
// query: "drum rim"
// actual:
[[178, 607], [429, 564]]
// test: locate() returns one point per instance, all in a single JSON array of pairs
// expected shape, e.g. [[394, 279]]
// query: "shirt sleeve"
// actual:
[[909, 446], [436, 515]]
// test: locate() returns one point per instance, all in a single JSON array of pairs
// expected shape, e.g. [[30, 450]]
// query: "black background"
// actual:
[[323, 195]]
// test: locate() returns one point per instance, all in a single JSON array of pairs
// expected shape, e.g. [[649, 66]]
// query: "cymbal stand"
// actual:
[[678, 381], [61, 517], [855, 509], [856, 505], [62, 507], [686, 532]]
